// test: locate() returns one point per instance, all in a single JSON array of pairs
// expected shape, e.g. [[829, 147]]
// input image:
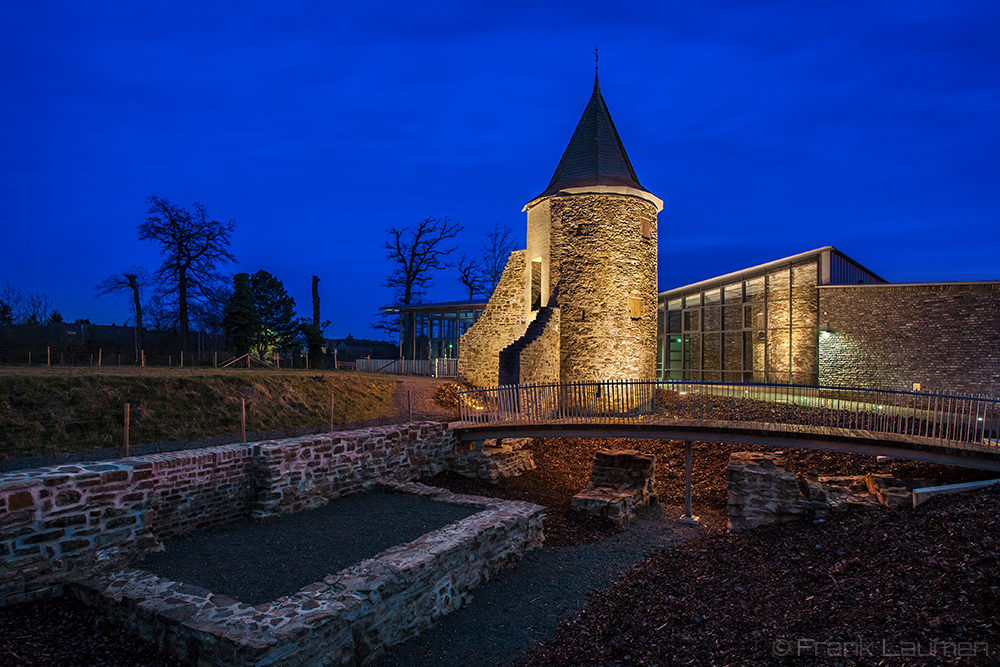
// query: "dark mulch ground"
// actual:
[[903, 578]]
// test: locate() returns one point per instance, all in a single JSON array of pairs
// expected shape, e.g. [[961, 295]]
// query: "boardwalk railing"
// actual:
[[964, 422]]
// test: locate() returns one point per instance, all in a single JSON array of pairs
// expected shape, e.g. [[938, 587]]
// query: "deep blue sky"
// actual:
[[768, 128]]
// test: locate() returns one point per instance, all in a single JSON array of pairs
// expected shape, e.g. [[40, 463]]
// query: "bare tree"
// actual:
[[495, 255], [135, 280], [20, 307], [416, 253], [470, 274], [158, 313], [35, 308], [10, 303], [192, 244]]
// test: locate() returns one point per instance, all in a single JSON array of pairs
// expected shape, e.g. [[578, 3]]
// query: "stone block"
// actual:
[[621, 482]]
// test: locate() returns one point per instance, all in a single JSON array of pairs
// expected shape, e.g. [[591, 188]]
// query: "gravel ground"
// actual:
[[513, 611], [296, 550]]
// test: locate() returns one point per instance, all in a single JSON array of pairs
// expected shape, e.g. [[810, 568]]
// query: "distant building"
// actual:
[[432, 330]]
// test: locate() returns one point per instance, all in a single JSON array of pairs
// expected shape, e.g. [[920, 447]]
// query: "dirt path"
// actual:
[[417, 394]]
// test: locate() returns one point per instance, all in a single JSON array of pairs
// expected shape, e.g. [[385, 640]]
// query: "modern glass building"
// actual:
[[431, 330], [760, 324]]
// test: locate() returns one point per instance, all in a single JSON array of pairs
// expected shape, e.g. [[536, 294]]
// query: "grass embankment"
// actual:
[[53, 411]]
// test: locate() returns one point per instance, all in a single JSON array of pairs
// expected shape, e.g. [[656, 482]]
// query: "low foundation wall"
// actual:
[[348, 617], [68, 522]]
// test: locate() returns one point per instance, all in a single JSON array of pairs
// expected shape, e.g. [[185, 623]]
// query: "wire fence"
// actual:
[[41, 356], [135, 430]]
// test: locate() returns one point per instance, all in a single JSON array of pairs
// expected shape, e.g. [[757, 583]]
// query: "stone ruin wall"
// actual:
[[347, 618], [945, 337], [62, 523], [501, 323], [599, 260], [540, 358]]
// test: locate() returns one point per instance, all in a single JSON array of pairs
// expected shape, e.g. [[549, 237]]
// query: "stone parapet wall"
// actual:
[[946, 337], [304, 473], [61, 523], [58, 523], [349, 617], [501, 323]]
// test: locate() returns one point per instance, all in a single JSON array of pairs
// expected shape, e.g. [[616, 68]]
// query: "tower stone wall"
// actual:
[[603, 261], [587, 276]]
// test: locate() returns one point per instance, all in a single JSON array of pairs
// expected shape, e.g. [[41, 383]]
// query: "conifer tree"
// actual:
[[241, 321]]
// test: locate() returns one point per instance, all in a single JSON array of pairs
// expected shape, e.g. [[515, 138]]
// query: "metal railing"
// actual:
[[965, 422], [435, 368]]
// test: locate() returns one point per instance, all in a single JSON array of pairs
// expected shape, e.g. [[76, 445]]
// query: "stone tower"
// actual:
[[580, 302]]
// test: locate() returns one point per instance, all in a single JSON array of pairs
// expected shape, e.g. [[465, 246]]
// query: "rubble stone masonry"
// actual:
[[349, 617], [62, 523], [501, 323], [604, 269]]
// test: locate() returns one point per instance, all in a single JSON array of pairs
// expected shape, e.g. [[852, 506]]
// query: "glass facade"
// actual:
[[432, 330], [755, 328], [434, 334]]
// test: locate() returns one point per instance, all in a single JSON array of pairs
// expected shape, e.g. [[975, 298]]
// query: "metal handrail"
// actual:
[[965, 422]]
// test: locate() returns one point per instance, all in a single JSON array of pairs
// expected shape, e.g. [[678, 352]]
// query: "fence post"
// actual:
[[48, 356], [126, 428], [99, 352], [215, 360], [409, 406], [331, 412], [182, 358], [243, 418], [143, 353]]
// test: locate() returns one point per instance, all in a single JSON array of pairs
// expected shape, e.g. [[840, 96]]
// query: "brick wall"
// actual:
[[62, 523], [944, 336], [501, 323]]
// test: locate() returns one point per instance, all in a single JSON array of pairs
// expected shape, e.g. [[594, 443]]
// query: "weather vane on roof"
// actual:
[[595, 58]]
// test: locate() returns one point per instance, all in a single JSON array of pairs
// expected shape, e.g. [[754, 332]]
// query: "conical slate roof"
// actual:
[[595, 155]]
